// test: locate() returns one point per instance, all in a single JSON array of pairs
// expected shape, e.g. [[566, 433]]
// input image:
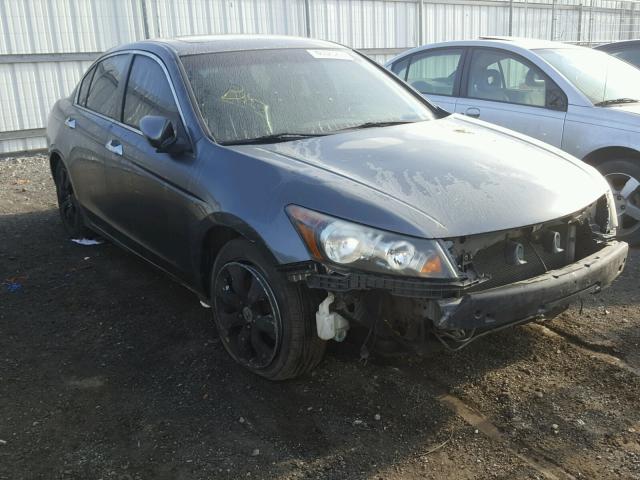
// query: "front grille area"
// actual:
[[491, 262]]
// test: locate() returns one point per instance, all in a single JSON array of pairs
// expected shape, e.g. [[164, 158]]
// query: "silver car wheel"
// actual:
[[626, 193]]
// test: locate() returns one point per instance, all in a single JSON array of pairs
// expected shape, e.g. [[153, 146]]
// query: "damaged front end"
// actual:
[[457, 289]]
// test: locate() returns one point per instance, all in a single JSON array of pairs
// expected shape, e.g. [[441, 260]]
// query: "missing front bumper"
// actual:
[[535, 297]]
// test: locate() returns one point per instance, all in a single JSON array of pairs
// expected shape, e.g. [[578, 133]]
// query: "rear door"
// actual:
[[434, 73], [154, 207], [90, 121], [506, 89]]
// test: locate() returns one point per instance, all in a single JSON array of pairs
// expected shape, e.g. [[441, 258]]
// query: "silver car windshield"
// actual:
[[284, 94], [601, 77]]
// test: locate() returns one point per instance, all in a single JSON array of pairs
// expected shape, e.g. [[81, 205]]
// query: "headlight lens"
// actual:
[[345, 243]]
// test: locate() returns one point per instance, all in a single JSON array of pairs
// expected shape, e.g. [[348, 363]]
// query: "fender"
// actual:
[[210, 236]]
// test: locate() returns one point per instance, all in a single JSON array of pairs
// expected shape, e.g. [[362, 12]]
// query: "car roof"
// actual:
[[194, 45], [616, 45], [528, 43], [514, 44]]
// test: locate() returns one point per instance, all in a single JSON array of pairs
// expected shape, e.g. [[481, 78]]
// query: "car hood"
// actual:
[[625, 116], [633, 108], [464, 176]]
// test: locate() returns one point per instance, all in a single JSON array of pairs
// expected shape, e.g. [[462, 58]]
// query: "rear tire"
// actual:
[[68, 205], [266, 323], [623, 176]]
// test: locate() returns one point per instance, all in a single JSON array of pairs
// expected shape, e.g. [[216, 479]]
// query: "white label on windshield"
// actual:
[[331, 54]]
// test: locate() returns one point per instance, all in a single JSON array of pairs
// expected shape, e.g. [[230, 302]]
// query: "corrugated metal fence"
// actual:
[[45, 45]]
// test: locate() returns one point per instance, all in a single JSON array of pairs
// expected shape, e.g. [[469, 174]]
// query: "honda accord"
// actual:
[[303, 192]]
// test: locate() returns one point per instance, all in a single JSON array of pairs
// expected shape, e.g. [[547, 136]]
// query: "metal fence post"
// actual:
[[510, 18], [420, 22], [632, 21], [145, 21], [620, 19], [307, 18], [553, 20], [590, 22], [579, 23]]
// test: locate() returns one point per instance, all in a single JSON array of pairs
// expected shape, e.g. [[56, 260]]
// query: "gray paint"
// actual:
[[441, 178]]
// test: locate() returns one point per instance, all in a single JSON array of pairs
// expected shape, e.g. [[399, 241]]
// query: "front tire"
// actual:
[[266, 323], [623, 176]]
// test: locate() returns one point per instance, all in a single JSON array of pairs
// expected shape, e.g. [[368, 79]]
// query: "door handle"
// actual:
[[70, 122], [472, 112], [114, 146]]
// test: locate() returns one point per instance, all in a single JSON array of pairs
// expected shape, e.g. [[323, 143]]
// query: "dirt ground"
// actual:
[[109, 370]]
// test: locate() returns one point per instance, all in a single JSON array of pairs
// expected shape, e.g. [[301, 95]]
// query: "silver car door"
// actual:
[[503, 88]]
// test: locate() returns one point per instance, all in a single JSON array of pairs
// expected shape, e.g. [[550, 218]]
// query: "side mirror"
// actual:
[[160, 133]]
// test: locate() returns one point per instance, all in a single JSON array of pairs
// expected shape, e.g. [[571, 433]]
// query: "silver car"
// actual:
[[581, 100]]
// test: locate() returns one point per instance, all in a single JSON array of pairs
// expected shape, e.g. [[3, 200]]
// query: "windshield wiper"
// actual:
[[275, 138], [375, 124], [615, 101]]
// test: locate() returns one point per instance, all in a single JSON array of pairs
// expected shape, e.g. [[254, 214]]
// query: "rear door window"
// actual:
[[434, 72], [148, 92], [104, 91]]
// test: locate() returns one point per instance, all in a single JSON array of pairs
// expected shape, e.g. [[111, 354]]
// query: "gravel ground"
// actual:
[[109, 370]]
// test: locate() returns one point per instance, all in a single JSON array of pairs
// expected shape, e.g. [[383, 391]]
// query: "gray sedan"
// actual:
[[577, 99], [303, 192]]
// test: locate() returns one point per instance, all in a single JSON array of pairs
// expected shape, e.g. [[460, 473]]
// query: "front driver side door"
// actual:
[[503, 88], [156, 210]]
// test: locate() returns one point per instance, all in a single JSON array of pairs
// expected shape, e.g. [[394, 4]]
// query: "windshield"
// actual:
[[601, 77], [295, 92]]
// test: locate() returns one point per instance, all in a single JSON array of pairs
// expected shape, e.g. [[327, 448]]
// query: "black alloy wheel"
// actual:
[[248, 317], [266, 322]]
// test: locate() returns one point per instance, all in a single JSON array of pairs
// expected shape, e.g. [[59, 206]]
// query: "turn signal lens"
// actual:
[[306, 224], [433, 266]]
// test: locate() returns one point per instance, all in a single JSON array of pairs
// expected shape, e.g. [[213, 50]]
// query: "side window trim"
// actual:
[[457, 80], [120, 91], [464, 87], [124, 93], [154, 57]]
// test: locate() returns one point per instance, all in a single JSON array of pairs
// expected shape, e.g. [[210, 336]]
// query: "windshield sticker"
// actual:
[[331, 54]]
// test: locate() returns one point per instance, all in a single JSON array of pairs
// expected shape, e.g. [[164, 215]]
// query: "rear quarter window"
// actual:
[[84, 87], [400, 68]]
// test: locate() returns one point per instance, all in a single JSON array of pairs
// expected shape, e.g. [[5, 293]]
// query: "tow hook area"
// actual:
[[330, 325]]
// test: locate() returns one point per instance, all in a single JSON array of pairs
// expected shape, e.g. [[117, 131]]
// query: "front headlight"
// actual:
[[360, 247]]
